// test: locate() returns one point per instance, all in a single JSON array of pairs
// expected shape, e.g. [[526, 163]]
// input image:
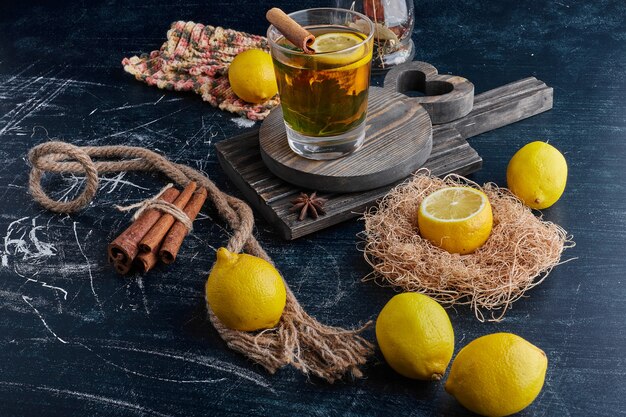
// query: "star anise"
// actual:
[[308, 205]]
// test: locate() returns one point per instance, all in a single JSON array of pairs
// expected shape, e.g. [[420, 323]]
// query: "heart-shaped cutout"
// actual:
[[446, 97]]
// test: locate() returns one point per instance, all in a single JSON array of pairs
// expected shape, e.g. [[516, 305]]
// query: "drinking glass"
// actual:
[[324, 95]]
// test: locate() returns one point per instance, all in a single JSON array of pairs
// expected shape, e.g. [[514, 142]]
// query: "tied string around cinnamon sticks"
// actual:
[[299, 340], [159, 227]]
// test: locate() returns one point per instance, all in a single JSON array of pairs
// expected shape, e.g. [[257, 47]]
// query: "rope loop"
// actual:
[[300, 340], [53, 153]]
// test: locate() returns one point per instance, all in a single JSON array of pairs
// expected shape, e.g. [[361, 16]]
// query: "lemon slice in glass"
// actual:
[[330, 46], [335, 41], [457, 219]]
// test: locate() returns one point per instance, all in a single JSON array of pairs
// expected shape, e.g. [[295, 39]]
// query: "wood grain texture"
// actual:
[[446, 97], [398, 140], [76, 340], [398, 133], [271, 195]]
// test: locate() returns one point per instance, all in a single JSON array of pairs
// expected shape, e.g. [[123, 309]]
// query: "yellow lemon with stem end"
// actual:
[[415, 335], [457, 219], [537, 174], [245, 292], [497, 375], [251, 76]]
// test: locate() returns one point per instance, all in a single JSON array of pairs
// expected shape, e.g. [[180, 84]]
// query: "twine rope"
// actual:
[[160, 205], [299, 340]]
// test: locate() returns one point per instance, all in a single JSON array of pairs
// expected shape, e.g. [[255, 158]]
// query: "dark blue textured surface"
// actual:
[[75, 339]]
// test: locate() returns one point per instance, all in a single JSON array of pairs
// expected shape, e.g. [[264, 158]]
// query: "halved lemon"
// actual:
[[329, 46], [457, 219]]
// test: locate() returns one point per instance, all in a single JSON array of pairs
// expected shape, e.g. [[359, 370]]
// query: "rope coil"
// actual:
[[300, 340]]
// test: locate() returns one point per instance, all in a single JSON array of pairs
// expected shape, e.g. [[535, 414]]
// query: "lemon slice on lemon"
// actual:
[[330, 46], [457, 219]]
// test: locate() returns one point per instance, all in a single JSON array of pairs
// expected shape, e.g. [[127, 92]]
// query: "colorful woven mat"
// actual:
[[196, 58]]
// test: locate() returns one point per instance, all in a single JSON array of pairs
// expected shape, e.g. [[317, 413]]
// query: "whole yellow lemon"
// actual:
[[497, 375], [537, 174], [415, 336], [245, 292], [251, 76], [457, 219]]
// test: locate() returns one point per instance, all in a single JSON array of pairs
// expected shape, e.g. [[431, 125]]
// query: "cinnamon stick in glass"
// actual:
[[295, 33], [176, 235], [152, 240], [124, 248]]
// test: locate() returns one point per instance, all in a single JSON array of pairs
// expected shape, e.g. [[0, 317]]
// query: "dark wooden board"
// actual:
[[398, 140], [398, 133], [241, 159], [446, 97], [141, 346]]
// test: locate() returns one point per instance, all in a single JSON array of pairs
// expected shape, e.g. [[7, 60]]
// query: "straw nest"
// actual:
[[519, 254]]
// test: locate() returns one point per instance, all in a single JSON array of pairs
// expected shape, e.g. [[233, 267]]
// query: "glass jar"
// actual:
[[393, 20]]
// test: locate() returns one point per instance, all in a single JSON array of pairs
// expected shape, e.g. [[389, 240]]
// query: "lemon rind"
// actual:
[[483, 197], [327, 35]]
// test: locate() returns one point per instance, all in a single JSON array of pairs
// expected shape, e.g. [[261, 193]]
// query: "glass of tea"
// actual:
[[324, 95]]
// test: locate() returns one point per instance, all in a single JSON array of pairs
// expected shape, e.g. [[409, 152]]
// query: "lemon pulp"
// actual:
[[330, 47], [457, 219], [335, 41], [454, 204]]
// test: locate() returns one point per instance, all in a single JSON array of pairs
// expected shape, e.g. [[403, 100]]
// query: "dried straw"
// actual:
[[519, 254]]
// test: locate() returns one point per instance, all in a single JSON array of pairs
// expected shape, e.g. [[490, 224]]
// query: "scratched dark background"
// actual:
[[76, 339]]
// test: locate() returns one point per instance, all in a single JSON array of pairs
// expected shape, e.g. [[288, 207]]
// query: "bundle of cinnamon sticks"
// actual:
[[156, 235]]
